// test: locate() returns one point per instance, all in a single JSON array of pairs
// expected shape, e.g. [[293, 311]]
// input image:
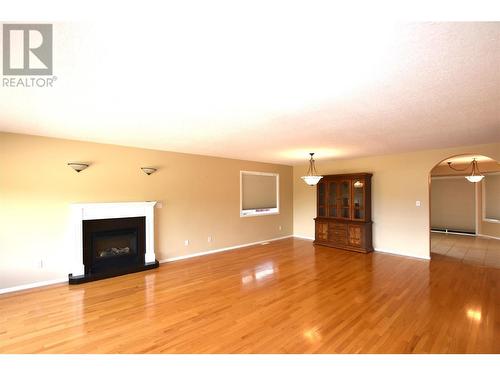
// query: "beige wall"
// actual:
[[398, 181], [491, 196], [200, 197], [453, 204], [485, 227]]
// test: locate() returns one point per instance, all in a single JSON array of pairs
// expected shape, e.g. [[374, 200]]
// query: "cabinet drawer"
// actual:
[[338, 241], [338, 234], [338, 227]]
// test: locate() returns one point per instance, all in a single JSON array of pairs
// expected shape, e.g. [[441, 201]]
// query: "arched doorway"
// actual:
[[464, 212]]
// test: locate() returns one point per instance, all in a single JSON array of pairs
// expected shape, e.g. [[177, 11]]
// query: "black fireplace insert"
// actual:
[[113, 247]]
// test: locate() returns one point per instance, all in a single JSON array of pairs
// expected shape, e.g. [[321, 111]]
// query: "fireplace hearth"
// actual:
[[112, 246]]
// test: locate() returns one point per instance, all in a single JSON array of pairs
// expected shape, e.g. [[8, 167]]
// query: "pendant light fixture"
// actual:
[[475, 175], [312, 178], [358, 184]]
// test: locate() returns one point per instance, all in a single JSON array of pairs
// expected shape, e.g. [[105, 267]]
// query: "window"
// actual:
[[491, 197], [259, 193]]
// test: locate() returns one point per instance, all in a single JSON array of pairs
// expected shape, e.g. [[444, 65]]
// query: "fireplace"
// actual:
[[111, 246], [111, 243]]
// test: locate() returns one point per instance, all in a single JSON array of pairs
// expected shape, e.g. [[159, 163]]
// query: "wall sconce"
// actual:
[[78, 166], [149, 170]]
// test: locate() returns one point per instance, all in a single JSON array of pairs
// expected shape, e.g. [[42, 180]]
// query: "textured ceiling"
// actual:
[[261, 87]]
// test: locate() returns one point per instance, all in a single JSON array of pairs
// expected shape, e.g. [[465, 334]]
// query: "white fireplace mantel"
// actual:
[[93, 211]]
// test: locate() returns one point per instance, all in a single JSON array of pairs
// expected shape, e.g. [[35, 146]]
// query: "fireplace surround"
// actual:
[[111, 239]]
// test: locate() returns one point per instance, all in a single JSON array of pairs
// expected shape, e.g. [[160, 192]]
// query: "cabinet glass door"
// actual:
[[332, 199], [345, 197], [358, 207], [321, 199]]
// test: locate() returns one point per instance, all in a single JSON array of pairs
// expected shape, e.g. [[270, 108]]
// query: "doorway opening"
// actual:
[[465, 214]]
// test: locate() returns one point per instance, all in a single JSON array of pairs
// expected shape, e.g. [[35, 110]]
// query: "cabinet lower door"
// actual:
[[321, 231], [355, 235]]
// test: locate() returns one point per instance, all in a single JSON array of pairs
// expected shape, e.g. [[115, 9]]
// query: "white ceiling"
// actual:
[[267, 86]]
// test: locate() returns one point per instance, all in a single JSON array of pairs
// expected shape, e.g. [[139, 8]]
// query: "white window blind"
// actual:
[[259, 193]]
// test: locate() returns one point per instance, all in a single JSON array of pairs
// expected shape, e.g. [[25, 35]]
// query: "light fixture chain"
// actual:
[[456, 169]]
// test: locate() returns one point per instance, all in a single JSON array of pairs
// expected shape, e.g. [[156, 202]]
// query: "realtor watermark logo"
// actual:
[[28, 55]]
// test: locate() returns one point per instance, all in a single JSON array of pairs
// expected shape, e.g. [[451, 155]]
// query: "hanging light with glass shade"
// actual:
[[475, 175], [358, 184], [312, 178]]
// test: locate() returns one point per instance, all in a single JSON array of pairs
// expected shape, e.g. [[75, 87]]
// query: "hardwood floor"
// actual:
[[284, 297]]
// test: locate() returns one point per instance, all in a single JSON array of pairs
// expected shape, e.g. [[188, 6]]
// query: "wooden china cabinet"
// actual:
[[344, 212]]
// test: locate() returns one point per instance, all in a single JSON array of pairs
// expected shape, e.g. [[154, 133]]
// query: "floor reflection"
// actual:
[[149, 294], [312, 335], [259, 274], [474, 315], [77, 302]]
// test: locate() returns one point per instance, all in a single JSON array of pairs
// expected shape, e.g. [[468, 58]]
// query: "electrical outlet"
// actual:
[[279, 227], [417, 203], [210, 238], [186, 242], [159, 205]]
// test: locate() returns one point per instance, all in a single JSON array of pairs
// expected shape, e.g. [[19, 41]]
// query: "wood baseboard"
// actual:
[[393, 252], [37, 284], [486, 236], [201, 253], [303, 237]]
